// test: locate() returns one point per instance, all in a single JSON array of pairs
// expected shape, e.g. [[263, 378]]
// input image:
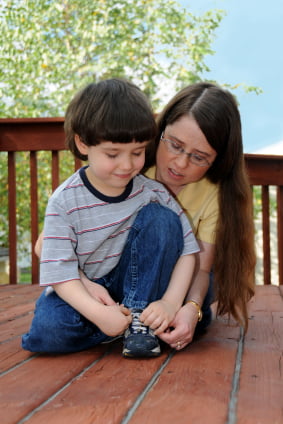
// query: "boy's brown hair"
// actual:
[[111, 110]]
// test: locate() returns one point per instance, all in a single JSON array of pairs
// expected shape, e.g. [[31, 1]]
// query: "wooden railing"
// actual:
[[46, 134]]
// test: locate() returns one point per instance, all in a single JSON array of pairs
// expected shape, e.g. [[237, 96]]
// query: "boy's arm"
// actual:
[[96, 291], [159, 314], [112, 320]]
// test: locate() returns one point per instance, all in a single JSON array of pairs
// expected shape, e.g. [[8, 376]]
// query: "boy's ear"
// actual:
[[81, 146]]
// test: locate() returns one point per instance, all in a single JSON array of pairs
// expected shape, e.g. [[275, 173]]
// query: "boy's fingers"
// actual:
[[125, 310]]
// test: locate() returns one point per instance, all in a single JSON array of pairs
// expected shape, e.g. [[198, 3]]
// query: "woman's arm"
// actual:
[[199, 286], [180, 281], [185, 321]]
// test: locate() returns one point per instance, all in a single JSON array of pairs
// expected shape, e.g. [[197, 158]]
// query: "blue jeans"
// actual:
[[142, 275]]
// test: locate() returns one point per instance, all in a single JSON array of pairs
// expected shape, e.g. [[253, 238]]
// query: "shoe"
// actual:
[[139, 340]]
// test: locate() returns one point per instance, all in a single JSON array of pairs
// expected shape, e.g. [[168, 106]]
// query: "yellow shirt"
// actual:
[[200, 202]]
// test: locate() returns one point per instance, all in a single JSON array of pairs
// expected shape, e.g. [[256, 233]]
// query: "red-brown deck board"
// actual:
[[261, 394], [221, 378]]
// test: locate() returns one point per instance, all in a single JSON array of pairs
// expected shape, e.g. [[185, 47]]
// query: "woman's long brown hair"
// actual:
[[216, 112]]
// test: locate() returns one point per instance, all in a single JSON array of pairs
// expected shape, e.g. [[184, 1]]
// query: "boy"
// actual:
[[117, 251]]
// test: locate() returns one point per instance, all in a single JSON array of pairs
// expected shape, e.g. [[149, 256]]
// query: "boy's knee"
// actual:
[[160, 217], [162, 226]]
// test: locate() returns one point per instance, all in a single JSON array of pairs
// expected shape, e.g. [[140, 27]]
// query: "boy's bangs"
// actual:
[[127, 129]]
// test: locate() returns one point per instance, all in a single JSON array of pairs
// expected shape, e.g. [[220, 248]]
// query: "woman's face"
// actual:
[[175, 171]]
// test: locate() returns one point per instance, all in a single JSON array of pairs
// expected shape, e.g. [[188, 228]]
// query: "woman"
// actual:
[[198, 156]]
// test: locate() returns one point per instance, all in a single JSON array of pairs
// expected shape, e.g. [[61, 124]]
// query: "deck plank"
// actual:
[[196, 385], [103, 394], [17, 300], [15, 327], [17, 306], [260, 399], [12, 354], [34, 381]]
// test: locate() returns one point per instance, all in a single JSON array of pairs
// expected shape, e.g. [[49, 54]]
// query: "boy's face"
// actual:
[[113, 165]]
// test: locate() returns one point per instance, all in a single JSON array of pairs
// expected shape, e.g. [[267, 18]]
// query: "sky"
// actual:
[[248, 49]]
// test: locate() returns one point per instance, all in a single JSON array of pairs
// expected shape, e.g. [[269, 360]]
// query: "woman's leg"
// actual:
[[58, 328]]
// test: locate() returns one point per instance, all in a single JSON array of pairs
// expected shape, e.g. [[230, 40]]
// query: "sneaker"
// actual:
[[139, 340]]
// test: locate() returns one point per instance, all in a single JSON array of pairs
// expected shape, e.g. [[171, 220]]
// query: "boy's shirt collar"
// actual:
[[101, 196]]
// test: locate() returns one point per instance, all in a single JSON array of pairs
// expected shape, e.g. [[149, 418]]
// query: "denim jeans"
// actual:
[[153, 247]]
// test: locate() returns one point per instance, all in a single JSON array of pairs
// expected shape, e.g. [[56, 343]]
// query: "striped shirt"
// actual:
[[85, 229]]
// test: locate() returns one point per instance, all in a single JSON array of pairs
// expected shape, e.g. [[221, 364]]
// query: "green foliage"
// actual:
[[50, 49], [3, 200]]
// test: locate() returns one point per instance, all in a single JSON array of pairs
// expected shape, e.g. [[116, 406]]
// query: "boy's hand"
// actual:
[[97, 291], [158, 315], [114, 320], [100, 293]]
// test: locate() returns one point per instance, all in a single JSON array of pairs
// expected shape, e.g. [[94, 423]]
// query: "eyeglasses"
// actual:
[[177, 149]]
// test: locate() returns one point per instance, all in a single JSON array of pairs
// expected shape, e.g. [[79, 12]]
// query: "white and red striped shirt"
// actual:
[[85, 229]]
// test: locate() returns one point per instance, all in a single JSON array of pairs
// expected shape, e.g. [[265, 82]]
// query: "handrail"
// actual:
[[36, 134]]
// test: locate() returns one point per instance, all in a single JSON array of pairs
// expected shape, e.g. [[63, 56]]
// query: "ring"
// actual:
[[179, 345]]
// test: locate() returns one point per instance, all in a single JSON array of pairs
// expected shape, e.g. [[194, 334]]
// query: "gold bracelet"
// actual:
[[198, 308]]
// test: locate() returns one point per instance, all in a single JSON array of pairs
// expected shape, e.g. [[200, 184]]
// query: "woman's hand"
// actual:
[[182, 328]]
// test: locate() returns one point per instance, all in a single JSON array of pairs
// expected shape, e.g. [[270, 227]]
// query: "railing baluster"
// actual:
[[55, 169], [12, 218], [266, 234], [34, 215], [78, 163], [280, 232]]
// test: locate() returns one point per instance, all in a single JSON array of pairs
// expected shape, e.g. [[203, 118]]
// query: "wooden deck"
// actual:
[[223, 377]]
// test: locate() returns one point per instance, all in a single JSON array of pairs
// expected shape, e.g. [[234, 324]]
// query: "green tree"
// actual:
[[49, 49]]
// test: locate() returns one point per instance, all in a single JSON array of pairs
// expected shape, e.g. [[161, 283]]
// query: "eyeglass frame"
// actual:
[[168, 143]]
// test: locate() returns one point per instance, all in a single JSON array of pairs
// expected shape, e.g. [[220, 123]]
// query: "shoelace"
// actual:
[[137, 326]]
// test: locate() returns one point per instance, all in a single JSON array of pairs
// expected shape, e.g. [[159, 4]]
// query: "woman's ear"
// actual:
[[81, 146]]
